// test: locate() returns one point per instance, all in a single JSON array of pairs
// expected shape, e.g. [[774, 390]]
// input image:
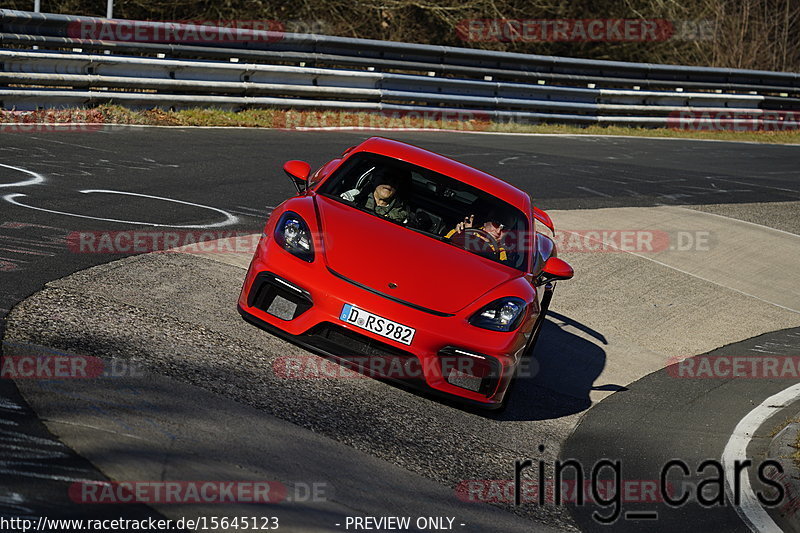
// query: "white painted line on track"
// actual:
[[37, 178], [598, 193], [229, 218], [750, 510]]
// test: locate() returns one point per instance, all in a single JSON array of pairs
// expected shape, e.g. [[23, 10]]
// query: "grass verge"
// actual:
[[299, 119]]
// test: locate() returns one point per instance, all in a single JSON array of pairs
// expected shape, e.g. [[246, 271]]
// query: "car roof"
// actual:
[[449, 167]]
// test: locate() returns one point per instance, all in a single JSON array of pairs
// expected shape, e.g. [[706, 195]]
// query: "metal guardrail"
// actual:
[[258, 68]]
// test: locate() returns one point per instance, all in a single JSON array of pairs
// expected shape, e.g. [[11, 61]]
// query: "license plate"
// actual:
[[377, 324]]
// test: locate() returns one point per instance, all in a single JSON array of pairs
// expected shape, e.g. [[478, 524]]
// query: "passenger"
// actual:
[[385, 199]]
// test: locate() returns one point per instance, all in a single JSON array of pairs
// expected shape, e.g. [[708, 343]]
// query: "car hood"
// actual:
[[428, 273]]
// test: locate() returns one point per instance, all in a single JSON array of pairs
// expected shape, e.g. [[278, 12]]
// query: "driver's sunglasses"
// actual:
[[497, 224]]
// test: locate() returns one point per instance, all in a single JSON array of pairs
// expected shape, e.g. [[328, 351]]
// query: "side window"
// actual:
[[354, 174], [422, 184]]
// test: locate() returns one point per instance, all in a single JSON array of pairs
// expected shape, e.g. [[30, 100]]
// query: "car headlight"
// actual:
[[293, 235], [504, 314]]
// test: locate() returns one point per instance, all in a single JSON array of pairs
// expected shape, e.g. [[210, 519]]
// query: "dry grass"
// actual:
[[294, 119], [300, 119]]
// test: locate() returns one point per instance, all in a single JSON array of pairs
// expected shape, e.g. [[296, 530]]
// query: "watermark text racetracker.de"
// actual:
[[631, 240], [583, 30], [193, 31], [459, 119], [26, 361], [306, 366], [145, 241], [51, 120], [735, 367], [566, 240], [732, 120], [177, 492], [174, 492]]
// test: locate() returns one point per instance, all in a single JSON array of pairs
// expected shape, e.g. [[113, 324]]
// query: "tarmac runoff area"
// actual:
[[211, 406]]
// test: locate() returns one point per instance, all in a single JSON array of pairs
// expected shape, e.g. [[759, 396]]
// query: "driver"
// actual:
[[479, 243]]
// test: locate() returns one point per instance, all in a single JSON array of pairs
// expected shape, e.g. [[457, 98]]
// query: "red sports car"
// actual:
[[409, 265]]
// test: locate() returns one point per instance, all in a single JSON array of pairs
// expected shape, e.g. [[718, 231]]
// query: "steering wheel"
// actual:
[[484, 238]]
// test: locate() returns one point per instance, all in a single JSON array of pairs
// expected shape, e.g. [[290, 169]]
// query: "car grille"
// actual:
[[327, 333], [363, 352]]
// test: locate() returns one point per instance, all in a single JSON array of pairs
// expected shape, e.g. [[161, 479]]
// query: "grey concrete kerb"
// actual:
[[782, 449]]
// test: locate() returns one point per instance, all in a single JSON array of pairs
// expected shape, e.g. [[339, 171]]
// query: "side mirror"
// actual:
[[298, 171], [555, 269]]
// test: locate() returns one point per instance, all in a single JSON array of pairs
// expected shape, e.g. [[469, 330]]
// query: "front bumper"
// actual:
[[302, 301]]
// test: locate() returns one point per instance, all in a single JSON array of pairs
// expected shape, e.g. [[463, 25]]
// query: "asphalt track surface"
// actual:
[[664, 417], [239, 171]]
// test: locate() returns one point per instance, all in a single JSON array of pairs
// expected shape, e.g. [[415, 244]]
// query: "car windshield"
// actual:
[[433, 204]]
